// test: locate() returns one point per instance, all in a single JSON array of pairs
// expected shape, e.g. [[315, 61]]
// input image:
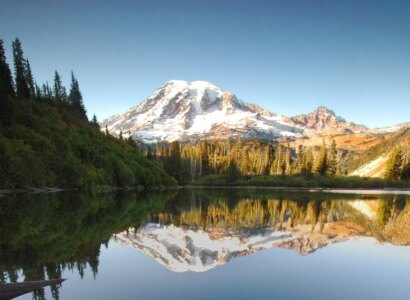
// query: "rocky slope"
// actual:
[[325, 120], [372, 161]]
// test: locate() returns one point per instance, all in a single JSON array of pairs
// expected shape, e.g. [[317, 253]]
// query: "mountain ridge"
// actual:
[[182, 110]]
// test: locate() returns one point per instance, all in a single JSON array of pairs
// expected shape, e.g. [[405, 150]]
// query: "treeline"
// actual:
[[25, 87], [46, 138], [243, 159], [252, 209]]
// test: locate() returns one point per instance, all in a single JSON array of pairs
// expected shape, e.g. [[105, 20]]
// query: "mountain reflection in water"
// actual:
[[209, 231], [43, 236]]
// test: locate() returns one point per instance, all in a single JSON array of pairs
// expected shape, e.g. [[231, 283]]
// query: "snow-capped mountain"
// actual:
[[199, 109]]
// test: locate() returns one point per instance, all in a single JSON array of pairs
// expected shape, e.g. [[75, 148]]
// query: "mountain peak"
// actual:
[[197, 84], [198, 109], [325, 119], [324, 109]]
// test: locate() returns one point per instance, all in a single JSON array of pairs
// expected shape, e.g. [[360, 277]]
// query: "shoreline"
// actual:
[[102, 189], [386, 191], [367, 191]]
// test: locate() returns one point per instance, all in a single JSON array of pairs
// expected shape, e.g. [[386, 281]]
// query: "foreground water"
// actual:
[[208, 244]]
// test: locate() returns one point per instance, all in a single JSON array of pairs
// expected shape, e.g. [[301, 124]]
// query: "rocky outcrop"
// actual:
[[324, 119]]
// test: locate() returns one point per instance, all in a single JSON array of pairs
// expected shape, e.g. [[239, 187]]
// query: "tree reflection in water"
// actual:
[[43, 235]]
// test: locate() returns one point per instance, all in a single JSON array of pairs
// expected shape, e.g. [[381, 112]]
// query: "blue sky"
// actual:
[[287, 56]]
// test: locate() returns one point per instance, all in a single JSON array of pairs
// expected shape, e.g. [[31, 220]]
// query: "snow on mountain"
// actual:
[[184, 110], [199, 109]]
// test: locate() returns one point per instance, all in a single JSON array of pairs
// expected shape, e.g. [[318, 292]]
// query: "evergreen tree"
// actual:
[[321, 162], [6, 81], [76, 99], [288, 160], [130, 141], [279, 163], [6, 89], [204, 158], [46, 91], [308, 162], [246, 163], [405, 172], [174, 165], [107, 133], [268, 159], [121, 138], [394, 164], [232, 173], [38, 93], [94, 122], [332, 164], [22, 87], [299, 162], [29, 78], [59, 91]]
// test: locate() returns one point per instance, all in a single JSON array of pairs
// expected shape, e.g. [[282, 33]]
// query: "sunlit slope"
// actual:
[[372, 162]]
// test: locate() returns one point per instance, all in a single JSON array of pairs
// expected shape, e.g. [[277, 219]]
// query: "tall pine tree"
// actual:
[[394, 164], [308, 162], [299, 162], [288, 160], [29, 78], [405, 172], [76, 99], [59, 90], [268, 159], [6, 89], [174, 160], [6, 81], [22, 87], [321, 162], [332, 163]]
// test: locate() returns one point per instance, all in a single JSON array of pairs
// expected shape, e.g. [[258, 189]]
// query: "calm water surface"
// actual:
[[208, 244]]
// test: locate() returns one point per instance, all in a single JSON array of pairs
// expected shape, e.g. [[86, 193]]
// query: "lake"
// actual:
[[208, 244]]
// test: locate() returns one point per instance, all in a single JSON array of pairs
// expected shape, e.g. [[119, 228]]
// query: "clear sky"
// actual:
[[287, 56]]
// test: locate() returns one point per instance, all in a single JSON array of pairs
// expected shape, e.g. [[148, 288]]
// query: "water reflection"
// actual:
[[211, 229], [42, 236]]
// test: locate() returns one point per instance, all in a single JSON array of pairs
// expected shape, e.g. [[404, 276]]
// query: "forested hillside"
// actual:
[[46, 139]]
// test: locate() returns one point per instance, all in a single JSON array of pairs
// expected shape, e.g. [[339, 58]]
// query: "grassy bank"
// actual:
[[300, 181]]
